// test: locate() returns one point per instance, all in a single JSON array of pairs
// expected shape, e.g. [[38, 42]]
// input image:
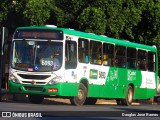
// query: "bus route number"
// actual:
[[46, 62]]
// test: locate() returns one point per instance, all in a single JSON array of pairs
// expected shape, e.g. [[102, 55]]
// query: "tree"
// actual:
[[92, 20], [81, 15], [134, 20], [68, 11], [147, 31], [37, 12], [5, 8]]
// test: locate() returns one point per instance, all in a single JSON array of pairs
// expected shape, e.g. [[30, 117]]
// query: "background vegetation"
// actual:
[[133, 20]]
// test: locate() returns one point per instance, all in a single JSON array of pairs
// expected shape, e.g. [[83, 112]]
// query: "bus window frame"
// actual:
[[123, 57], [109, 54], [154, 62], [85, 59], [132, 58], [141, 62], [68, 63], [101, 52]]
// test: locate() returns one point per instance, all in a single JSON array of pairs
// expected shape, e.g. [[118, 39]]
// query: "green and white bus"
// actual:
[[49, 61]]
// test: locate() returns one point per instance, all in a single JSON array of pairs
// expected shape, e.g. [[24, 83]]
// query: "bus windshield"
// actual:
[[42, 56]]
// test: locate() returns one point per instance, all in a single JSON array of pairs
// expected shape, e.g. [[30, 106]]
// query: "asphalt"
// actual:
[[7, 96]]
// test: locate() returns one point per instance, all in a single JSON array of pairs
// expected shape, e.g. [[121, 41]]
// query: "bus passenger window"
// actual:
[[131, 58], [70, 55], [151, 61], [142, 60], [95, 52], [120, 56], [83, 50], [108, 55]]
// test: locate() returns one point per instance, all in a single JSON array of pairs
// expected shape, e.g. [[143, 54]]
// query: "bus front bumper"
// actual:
[[34, 89]]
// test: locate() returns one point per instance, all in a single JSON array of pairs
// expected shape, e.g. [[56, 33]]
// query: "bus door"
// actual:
[[111, 70], [142, 74], [147, 66], [121, 65], [95, 68], [151, 74], [118, 73], [70, 66]]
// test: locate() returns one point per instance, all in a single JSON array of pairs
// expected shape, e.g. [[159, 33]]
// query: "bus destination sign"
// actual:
[[38, 34]]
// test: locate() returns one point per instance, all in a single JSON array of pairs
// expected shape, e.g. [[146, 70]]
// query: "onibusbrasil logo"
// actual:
[[21, 114]]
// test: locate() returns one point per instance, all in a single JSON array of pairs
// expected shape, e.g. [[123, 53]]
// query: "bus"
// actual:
[[47, 61]]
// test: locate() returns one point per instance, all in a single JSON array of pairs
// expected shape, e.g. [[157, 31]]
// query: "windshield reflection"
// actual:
[[37, 55]]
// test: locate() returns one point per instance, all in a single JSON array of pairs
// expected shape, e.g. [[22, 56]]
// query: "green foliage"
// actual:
[[5, 8], [134, 20], [3, 14], [37, 12], [92, 20]]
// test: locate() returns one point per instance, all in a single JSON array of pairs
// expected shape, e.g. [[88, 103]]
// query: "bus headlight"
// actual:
[[13, 78], [55, 80]]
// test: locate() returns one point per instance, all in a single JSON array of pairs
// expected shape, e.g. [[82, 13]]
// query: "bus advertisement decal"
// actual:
[[93, 74], [131, 75], [102, 74]]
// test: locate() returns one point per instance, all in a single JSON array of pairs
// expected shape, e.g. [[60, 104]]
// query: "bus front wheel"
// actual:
[[81, 97], [35, 99], [129, 97]]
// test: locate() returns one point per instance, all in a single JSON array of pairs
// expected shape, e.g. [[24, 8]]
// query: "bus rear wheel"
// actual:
[[81, 97], [35, 99], [129, 97]]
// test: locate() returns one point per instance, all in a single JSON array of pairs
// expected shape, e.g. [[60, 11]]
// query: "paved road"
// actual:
[[63, 110]]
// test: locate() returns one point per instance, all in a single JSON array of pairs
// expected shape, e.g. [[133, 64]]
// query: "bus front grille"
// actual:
[[37, 83], [33, 88], [38, 77]]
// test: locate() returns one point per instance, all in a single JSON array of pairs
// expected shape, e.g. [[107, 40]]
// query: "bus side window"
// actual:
[[95, 52], [83, 50], [151, 61], [108, 54], [120, 56], [70, 55], [131, 58], [142, 60]]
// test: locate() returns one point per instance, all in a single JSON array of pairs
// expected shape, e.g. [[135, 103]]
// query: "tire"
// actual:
[[35, 99], [81, 97], [119, 101], [129, 97], [90, 101], [151, 100]]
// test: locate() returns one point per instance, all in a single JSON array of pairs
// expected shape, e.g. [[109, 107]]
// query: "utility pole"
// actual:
[[3, 39]]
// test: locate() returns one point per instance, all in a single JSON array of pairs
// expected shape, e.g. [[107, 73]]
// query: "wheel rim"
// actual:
[[130, 96], [80, 94]]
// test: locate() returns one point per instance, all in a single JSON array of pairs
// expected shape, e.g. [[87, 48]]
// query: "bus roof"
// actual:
[[95, 37]]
